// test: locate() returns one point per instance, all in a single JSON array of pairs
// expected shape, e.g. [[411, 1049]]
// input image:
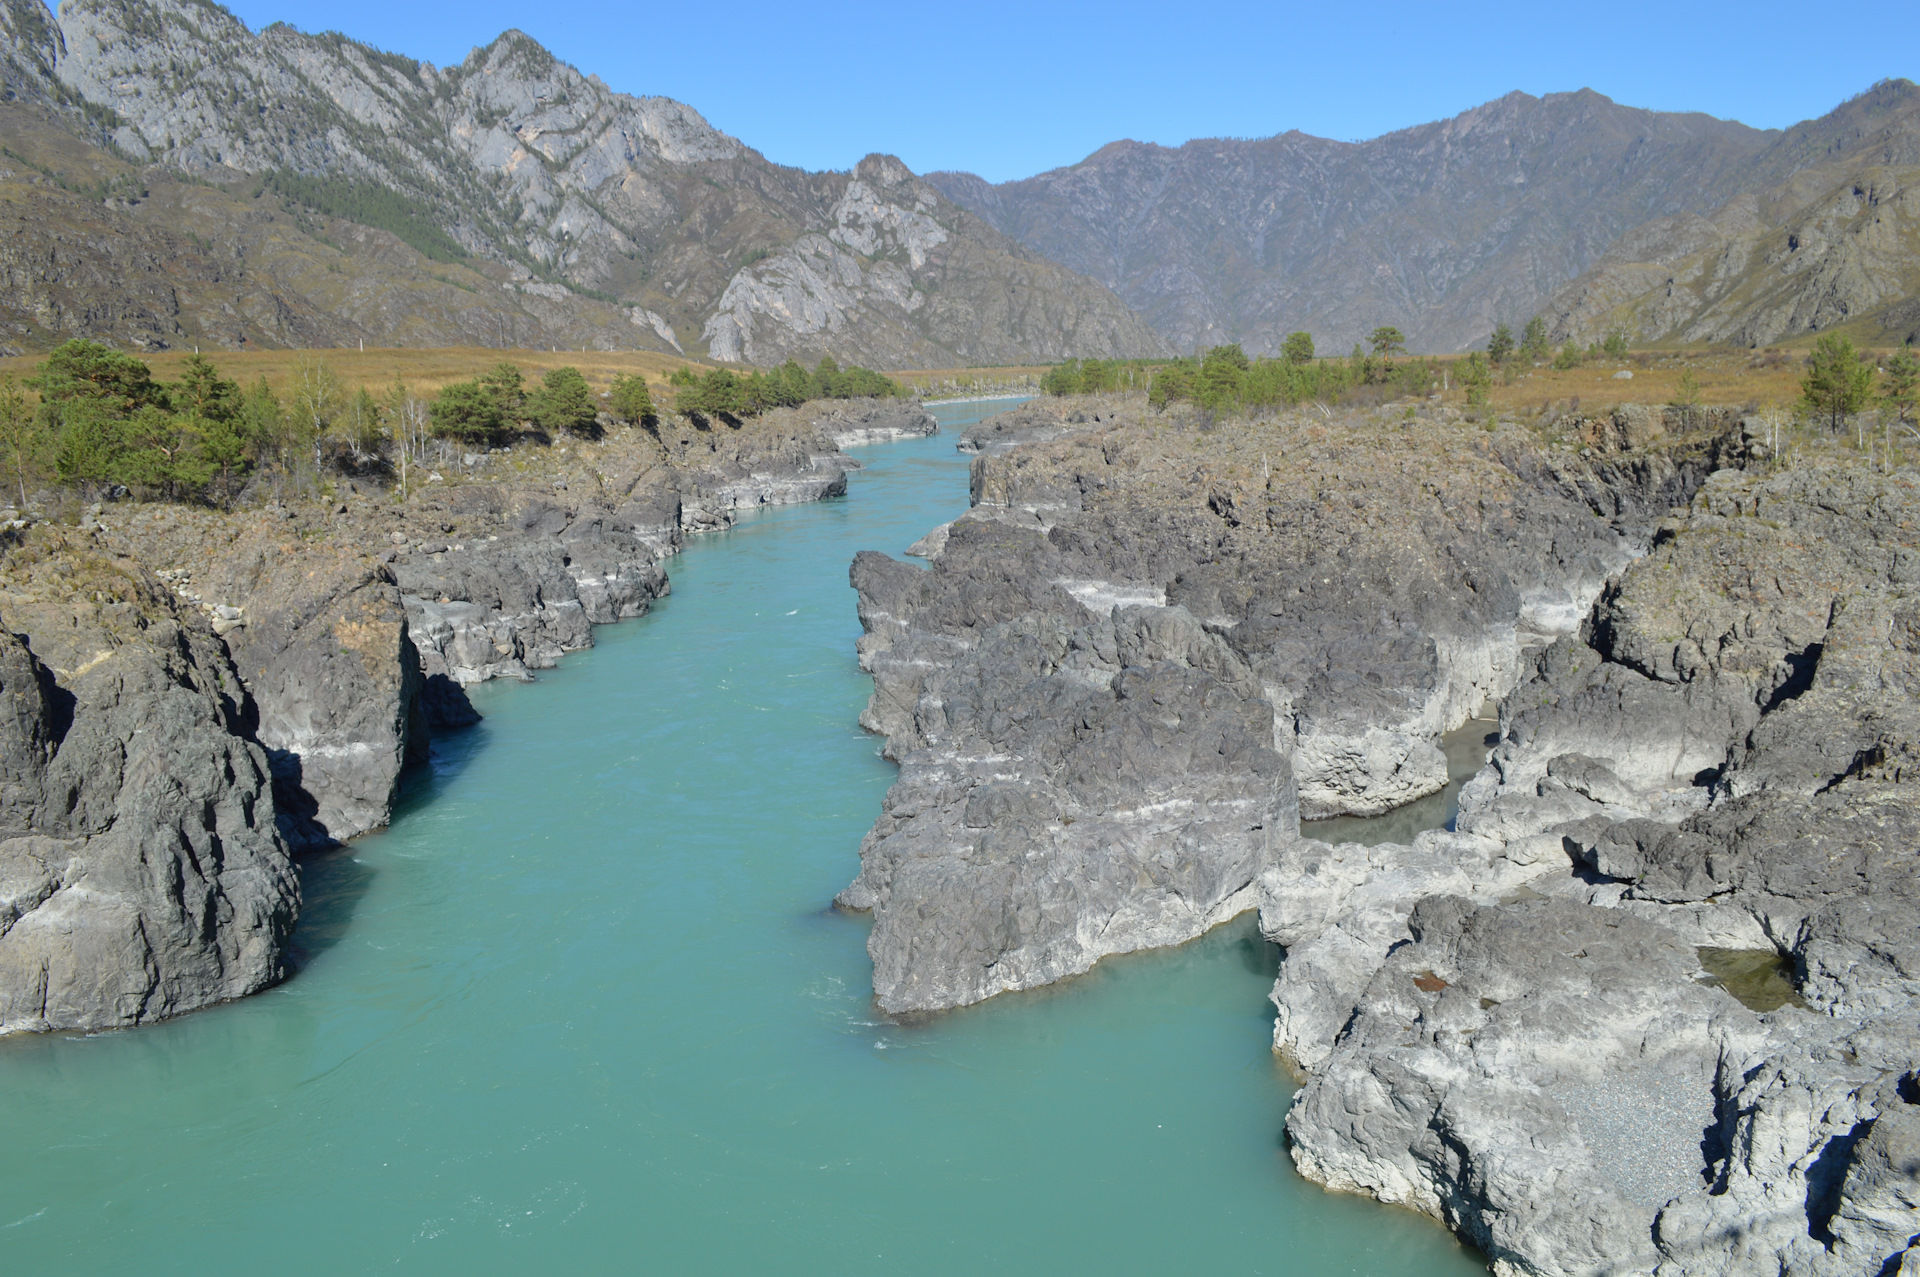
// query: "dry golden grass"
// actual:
[[1723, 377], [960, 380], [423, 370]]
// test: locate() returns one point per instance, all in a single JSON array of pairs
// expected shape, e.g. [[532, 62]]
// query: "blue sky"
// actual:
[[1007, 89]]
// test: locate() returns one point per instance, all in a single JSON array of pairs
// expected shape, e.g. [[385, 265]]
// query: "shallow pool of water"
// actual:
[[584, 1007], [1466, 750]]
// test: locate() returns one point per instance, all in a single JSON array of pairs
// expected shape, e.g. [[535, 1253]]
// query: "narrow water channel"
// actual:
[[1466, 749], [584, 1008]]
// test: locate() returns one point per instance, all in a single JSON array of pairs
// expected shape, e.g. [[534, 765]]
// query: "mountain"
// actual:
[[1827, 235], [349, 193], [1441, 230]]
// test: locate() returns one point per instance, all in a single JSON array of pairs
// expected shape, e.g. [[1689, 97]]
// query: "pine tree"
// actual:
[[1837, 382], [1533, 339], [23, 434], [1903, 385]]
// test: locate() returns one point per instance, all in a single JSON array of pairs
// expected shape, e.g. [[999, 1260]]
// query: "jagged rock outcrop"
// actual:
[[141, 871], [536, 206], [1066, 791], [855, 425], [897, 249], [1322, 587], [1717, 765]]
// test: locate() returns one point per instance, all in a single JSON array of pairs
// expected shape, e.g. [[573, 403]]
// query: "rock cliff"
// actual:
[[1648, 1006], [1149, 649], [1705, 784], [141, 871]]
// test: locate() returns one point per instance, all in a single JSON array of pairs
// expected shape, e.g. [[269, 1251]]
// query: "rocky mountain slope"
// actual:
[[1834, 242], [1650, 1004], [192, 697], [506, 200], [1443, 230]]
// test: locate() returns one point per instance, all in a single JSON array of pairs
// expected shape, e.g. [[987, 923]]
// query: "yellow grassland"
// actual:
[[422, 370]]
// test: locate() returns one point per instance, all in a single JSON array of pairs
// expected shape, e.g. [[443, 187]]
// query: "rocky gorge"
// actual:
[[1648, 1004], [195, 697]]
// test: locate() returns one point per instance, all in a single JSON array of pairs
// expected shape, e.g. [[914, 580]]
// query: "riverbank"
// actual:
[[308, 650]]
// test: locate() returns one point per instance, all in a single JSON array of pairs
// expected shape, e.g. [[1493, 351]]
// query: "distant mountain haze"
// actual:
[[1443, 230], [1824, 234], [172, 177], [508, 200]]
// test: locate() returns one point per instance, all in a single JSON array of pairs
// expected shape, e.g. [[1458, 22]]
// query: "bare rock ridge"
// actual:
[[1146, 653], [188, 698], [508, 200], [1447, 228], [1650, 1005]]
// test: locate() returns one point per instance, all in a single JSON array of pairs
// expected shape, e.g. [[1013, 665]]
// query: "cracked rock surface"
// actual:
[[141, 870], [1513, 1026], [1172, 641]]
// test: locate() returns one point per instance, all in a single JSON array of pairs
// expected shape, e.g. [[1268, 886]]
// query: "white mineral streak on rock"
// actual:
[[1101, 597], [643, 318]]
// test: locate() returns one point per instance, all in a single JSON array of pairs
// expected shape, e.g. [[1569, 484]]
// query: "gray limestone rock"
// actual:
[[1058, 809], [1723, 762], [857, 423], [1102, 551], [141, 870]]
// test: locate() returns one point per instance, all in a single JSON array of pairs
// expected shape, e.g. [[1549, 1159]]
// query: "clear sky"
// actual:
[[1009, 89]]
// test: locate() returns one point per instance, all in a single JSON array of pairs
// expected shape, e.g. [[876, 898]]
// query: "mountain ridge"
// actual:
[[1442, 229], [548, 180], [1829, 237]]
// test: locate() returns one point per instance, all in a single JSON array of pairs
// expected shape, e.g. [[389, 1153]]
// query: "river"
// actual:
[[584, 1007]]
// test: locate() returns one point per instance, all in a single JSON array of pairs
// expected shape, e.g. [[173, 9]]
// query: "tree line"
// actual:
[[1224, 379], [1841, 380], [719, 392], [96, 419]]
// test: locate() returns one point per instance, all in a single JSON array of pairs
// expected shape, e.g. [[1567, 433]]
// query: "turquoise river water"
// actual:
[[585, 1008]]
